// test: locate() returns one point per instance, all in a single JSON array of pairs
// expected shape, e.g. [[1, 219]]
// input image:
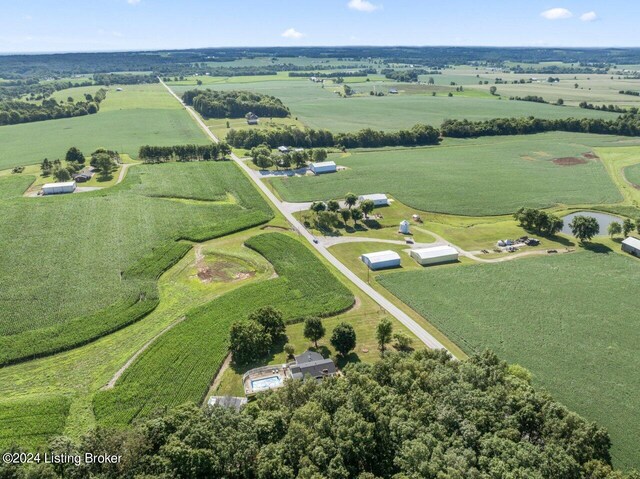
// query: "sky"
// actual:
[[99, 25]]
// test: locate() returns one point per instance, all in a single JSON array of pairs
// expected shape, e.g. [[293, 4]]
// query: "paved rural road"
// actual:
[[392, 309]]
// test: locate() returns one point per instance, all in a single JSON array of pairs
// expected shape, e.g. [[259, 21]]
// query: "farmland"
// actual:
[[572, 321], [459, 177], [632, 173], [180, 366], [138, 115], [116, 241]]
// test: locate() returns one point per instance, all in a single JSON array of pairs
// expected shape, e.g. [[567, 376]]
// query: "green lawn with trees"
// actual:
[[89, 262], [571, 320], [460, 176]]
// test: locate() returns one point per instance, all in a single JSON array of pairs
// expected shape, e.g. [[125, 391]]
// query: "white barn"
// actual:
[[434, 255], [323, 167], [381, 260], [632, 246], [378, 199], [58, 188]]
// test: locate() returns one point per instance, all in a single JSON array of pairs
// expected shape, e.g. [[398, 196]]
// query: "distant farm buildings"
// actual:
[[59, 188], [632, 246], [434, 255], [252, 119], [378, 199], [323, 167], [381, 260], [393, 91]]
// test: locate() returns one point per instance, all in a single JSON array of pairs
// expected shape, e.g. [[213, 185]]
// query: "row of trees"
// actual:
[[102, 160], [539, 221], [234, 104], [408, 76], [124, 78], [329, 215], [163, 154], [15, 111], [625, 228], [263, 157], [418, 135], [343, 74], [611, 108]]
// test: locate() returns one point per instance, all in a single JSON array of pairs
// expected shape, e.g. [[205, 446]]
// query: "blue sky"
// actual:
[[92, 25]]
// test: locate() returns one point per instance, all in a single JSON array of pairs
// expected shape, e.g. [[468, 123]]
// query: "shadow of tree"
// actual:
[[351, 358], [597, 248]]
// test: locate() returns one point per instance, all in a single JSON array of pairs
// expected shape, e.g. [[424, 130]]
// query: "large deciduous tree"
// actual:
[[343, 338], [313, 330], [584, 228]]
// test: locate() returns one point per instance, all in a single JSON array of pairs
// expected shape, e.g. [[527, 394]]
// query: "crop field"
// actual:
[[571, 319], [138, 115], [67, 258], [180, 366], [30, 422], [14, 186], [460, 176], [632, 174], [319, 107]]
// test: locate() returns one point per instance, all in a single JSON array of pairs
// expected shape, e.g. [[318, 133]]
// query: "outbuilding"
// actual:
[[58, 188], [434, 255], [378, 199], [632, 246], [381, 260], [321, 167], [283, 149], [252, 118], [404, 227]]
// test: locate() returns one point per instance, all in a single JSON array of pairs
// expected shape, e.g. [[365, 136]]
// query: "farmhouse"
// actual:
[[378, 199], [434, 255], [632, 246], [323, 167], [83, 176], [58, 188], [252, 119], [312, 364], [381, 260]]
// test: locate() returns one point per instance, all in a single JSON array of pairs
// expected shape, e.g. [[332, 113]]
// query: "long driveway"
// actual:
[[392, 309]]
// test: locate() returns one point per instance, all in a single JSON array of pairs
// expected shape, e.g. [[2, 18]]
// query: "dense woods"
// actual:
[[408, 416], [162, 154], [234, 104], [310, 138]]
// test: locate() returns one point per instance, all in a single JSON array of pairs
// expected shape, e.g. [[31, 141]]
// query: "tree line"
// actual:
[[611, 108], [234, 104], [418, 135], [163, 154], [15, 111], [124, 78], [344, 74], [408, 76], [34, 90]]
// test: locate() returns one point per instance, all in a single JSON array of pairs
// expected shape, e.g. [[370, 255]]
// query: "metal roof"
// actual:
[[323, 164], [374, 197], [434, 252], [59, 185], [631, 241], [380, 256]]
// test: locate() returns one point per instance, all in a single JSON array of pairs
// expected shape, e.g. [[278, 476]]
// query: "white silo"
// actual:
[[404, 227]]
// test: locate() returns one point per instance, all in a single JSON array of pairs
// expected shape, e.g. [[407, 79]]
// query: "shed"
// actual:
[[434, 255], [283, 149], [393, 91], [381, 260], [252, 118], [58, 188], [378, 199], [632, 246], [323, 167]]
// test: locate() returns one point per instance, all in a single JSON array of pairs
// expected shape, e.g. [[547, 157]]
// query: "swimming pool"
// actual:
[[266, 383]]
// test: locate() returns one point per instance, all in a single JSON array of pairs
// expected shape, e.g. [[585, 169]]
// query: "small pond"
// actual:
[[604, 220]]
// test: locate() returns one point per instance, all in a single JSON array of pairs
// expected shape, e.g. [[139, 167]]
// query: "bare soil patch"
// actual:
[[591, 156], [569, 161]]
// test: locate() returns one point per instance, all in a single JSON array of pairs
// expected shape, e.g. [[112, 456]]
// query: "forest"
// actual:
[[234, 104]]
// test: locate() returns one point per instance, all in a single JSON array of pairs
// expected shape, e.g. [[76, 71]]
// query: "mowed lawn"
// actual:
[[136, 116], [319, 107], [572, 320], [487, 176]]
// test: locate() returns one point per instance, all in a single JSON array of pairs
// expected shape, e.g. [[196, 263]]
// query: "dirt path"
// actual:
[[126, 365], [218, 378], [123, 171]]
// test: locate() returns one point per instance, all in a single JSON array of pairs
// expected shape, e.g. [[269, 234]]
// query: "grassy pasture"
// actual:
[[487, 176], [632, 174], [180, 366], [571, 319], [139, 115], [88, 262]]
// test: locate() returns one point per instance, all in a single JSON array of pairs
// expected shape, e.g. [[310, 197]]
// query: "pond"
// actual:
[[604, 220]]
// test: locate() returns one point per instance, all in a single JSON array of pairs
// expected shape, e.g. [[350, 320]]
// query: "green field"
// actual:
[[632, 174], [487, 176], [67, 258], [136, 116], [572, 320], [181, 365]]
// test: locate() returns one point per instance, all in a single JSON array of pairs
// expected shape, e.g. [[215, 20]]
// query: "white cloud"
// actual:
[[556, 14], [28, 18], [589, 16], [292, 33], [362, 5], [133, 2]]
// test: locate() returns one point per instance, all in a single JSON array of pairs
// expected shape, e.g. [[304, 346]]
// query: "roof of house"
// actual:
[[323, 164], [227, 401], [59, 185], [380, 256], [631, 241], [312, 363], [374, 197], [252, 115], [434, 252]]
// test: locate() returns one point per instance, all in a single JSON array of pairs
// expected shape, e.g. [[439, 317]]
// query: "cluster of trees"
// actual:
[[408, 76], [624, 125], [102, 160], [611, 108], [539, 221], [533, 98], [418, 135], [344, 74], [251, 340], [329, 215], [627, 226], [629, 92], [234, 104], [162, 154], [408, 416], [15, 111], [558, 70], [263, 157], [34, 90], [124, 78], [343, 337]]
